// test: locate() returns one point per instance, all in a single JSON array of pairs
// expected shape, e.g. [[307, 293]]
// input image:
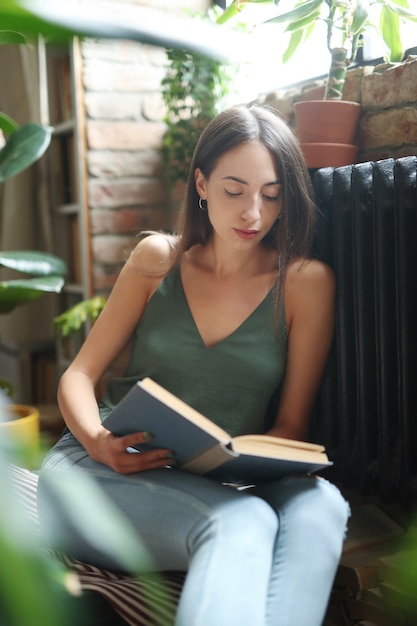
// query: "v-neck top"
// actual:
[[230, 382]]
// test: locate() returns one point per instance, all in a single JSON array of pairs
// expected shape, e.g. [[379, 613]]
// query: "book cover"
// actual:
[[202, 447]]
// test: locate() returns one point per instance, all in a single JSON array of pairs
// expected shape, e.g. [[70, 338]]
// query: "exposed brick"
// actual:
[[123, 51], [153, 107], [100, 75], [283, 103], [387, 153], [121, 135], [122, 164], [395, 86], [112, 249], [393, 127], [112, 106], [126, 221], [111, 50], [312, 92], [104, 277], [125, 192], [352, 90]]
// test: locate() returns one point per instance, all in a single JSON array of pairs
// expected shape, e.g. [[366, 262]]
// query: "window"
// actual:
[[265, 71]]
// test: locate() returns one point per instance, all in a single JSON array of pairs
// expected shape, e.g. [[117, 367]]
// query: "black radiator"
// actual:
[[366, 412]]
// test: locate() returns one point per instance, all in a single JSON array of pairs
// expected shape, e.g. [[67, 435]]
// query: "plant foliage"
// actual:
[[73, 319], [194, 90], [346, 22]]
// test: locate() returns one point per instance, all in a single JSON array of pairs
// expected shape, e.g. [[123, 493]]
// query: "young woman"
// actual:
[[222, 315]]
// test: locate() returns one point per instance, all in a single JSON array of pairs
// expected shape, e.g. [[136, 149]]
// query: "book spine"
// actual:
[[210, 460]]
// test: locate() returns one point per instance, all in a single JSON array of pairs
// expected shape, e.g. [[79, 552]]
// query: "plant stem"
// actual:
[[337, 74]]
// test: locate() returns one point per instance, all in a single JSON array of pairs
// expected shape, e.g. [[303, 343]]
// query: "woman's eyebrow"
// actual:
[[244, 182]]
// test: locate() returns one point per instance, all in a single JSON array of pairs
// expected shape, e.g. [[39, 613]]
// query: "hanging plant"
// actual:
[[194, 91]]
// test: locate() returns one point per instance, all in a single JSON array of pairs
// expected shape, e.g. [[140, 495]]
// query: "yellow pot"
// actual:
[[24, 430]]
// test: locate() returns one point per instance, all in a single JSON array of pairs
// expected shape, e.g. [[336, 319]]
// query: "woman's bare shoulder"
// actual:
[[154, 254], [303, 273]]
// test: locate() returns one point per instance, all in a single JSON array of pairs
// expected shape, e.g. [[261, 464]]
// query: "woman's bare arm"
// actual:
[[108, 337], [309, 307]]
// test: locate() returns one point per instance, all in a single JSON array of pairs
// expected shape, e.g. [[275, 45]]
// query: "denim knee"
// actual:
[[331, 503], [240, 524]]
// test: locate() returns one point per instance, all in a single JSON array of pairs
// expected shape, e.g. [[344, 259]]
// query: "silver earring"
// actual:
[[201, 205]]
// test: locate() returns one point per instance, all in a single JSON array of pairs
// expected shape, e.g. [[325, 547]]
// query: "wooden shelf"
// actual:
[[62, 108]]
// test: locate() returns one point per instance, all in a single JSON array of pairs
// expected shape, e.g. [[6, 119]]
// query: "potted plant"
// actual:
[[332, 121], [24, 145]]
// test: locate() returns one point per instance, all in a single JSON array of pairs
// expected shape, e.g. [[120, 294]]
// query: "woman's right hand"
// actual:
[[113, 451]]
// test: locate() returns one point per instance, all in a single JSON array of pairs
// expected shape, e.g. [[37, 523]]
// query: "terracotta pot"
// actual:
[[329, 154], [22, 426], [329, 121]]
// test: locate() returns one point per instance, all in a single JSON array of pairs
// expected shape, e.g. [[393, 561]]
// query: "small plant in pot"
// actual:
[[345, 21]]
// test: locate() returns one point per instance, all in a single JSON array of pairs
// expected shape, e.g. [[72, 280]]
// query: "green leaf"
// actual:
[[7, 125], [60, 20], [307, 22], [11, 37], [401, 8], [33, 262], [97, 520], [295, 40], [32, 586], [7, 387], [360, 17], [237, 7], [74, 318], [15, 293], [302, 11], [25, 146], [390, 30]]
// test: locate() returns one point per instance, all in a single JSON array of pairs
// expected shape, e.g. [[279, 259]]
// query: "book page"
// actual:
[[274, 447], [265, 440]]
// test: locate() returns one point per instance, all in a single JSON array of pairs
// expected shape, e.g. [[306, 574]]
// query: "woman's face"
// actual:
[[243, 195]]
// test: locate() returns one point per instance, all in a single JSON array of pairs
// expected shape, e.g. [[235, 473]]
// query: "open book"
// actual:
[[202, 447]]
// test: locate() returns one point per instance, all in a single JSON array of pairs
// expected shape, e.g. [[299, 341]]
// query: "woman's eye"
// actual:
[[232, 193], [271, 198]]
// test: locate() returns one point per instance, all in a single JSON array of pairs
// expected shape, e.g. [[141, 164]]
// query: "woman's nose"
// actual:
[[252, 210]]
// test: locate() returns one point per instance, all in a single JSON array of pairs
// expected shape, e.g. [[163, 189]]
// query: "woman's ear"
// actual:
[[200, 183]]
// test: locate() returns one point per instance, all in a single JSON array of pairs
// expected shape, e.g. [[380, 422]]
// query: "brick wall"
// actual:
[[124, 126], [124, 130], [388, 96]]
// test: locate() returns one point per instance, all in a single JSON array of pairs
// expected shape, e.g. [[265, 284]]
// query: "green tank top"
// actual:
[[231, 382]]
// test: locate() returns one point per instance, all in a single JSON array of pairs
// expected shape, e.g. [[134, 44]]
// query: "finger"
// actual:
[[121, 444], [143, 461], [131, 440]]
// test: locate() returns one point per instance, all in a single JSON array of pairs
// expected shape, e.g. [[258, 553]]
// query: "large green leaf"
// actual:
[[32, 586], [25, 146], [401, 8], [14, 293], [391, 34], [33, 262], [61, 19]]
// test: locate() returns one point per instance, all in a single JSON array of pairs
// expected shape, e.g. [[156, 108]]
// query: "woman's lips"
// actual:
[[246, 234]]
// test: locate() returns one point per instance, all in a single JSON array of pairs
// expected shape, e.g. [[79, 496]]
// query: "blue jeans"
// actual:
[[263, 556]]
